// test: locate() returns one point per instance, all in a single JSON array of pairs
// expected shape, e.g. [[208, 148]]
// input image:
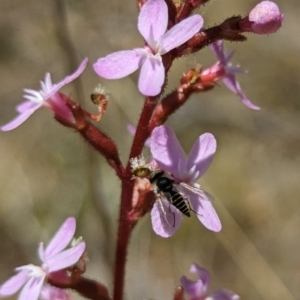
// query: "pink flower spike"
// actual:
[[229, 72], [152, 24], [169, 156], [48, 97], [264, 18], [53, 259], [198, 289]]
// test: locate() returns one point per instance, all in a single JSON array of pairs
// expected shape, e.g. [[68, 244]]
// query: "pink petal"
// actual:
[[56, 87], [12, 285], [152, 77], [41, 252], [62, 237], [193, 288], [217, 49], [119, 64], [224, 295], [202, 153], [166, 150], [32, 289], [131, 129], [153, 21], [180, 33], [26, 105], [235, 87], [205, 211], [165, 218], [202, 274], [21, 118], [65, 258], [196, 288]]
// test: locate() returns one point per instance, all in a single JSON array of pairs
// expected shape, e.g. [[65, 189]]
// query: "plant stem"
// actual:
[[124, 231], [125, 223]]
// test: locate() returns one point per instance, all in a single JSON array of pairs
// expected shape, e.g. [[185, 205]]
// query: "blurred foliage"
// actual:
[[48, 172]]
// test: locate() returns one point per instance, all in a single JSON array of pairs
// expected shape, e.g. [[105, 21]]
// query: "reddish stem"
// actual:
[[126, 223], [124, 231], [142, 132]]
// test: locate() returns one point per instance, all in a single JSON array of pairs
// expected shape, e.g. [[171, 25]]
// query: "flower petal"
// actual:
[[56, 87], [217, 49], [224, 295], [152, 76], [62, 237], [180, 33], [191, 287], [199, 287], [165, 218], [32, 289], [166, 150], [21, 118], [52, 89], [153, 21], [205, 211], [202, 274], [202, 153], [119, 64], [65, 258], [26, 105], [13, 284], [235, 87]]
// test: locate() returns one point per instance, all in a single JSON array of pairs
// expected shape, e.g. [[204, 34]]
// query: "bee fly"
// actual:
[[163, 185]]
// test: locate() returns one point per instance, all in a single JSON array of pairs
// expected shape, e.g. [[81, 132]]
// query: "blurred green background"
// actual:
[[49, 173]]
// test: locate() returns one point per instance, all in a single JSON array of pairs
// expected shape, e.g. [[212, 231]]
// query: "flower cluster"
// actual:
[[152, 24], [55, 259]]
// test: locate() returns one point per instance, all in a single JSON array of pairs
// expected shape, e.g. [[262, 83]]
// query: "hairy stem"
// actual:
[[124, 231], [142, 132], [126, 223]]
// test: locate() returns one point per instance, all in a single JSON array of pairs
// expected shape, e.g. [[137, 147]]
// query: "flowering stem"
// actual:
[[126, 223], [142, 132], [124, 231]]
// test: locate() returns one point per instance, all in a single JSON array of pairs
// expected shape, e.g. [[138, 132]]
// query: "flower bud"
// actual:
[[264, 18]]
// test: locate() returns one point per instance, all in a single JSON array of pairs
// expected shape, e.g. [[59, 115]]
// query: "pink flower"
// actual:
[[152, 24], [48, 97], [264, 18], [169, 155], [54, 258], [227, 72], [197, 289]]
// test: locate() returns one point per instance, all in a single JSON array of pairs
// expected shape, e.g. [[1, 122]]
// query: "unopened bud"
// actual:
[[264, 18]]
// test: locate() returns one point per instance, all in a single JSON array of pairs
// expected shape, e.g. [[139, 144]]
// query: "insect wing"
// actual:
[[165, 217], [198, 191], [206, 213]]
